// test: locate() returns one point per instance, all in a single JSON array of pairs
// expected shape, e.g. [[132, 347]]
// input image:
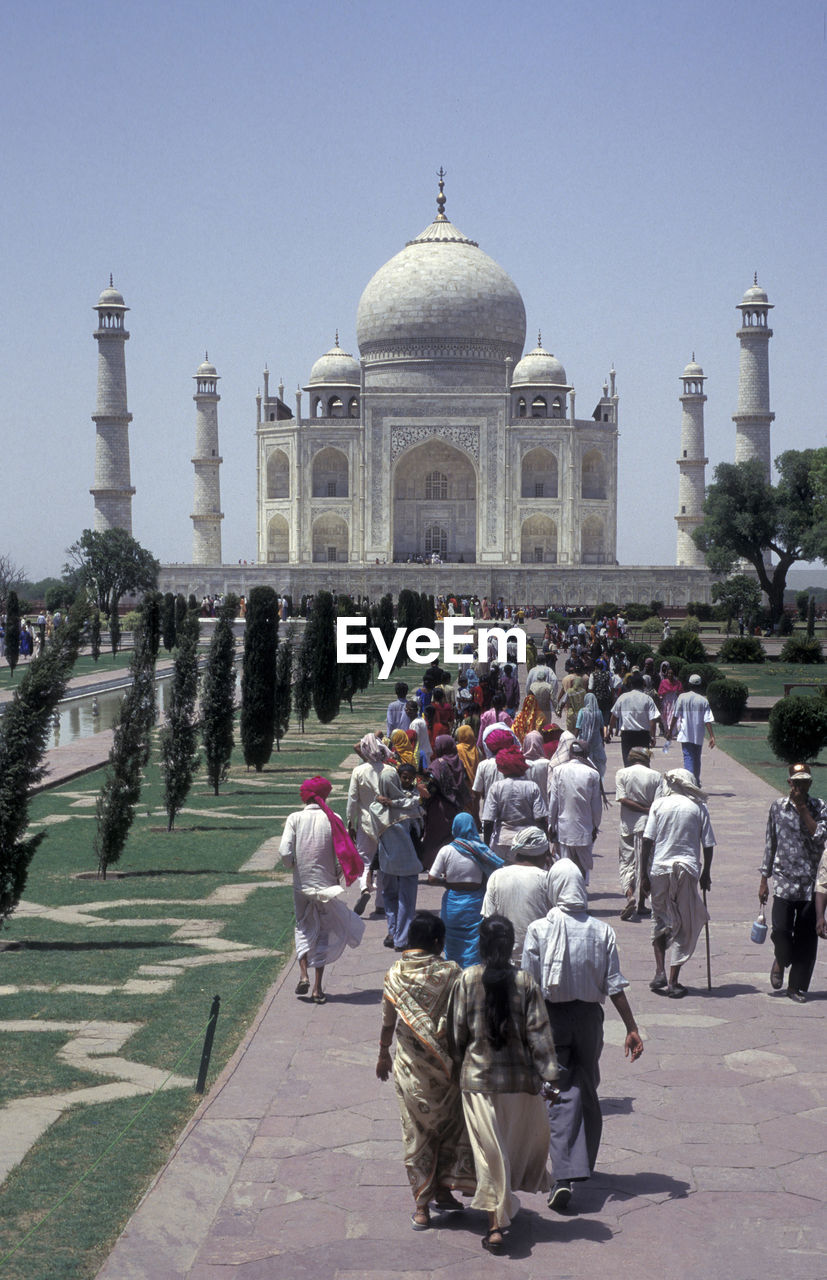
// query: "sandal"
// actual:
[[420, 1220], [491, 1245], [319, 997], [302, 986]]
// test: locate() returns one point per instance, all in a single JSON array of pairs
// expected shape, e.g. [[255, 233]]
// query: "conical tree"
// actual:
[[24, 730], [321, 640], [218, 697], [95, 634], [258, 683], [168, 621], [284, 689], [115, 809], [303, 685], [179, 736], [811, 617]]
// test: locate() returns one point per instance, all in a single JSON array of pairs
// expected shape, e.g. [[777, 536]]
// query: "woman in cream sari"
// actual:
[[438, 1157]]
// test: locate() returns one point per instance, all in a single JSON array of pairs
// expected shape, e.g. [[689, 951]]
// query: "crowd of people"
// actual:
[[35, 633], [496, 795]]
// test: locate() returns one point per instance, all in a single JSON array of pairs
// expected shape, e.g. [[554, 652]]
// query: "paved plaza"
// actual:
[[713, 1158]]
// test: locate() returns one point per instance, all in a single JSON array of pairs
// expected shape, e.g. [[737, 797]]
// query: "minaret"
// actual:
[[753, 418], [207, 514], [692, 464], [112, 489]]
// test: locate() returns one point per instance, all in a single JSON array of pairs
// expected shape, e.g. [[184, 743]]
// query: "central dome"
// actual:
[[441, 297]]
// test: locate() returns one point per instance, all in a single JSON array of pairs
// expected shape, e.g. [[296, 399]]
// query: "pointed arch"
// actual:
[[330, 474]]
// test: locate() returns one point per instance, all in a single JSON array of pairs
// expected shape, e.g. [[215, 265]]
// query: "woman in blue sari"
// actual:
[[463, 867]]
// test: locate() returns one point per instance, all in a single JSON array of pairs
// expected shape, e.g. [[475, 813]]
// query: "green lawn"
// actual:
[[172, 891], [768, 679]]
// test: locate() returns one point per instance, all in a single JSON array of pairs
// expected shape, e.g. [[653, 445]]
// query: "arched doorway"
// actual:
[[538, 540], [435, 488], [278, 475], [539, 474], [330, 477], [278, 540], [330, 540]]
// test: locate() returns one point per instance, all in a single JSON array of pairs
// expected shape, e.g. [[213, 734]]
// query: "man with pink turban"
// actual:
[[324, 924]]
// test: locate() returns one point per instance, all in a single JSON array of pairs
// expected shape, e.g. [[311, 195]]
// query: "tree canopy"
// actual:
[[112, 564], [748, 518], [738, 596]]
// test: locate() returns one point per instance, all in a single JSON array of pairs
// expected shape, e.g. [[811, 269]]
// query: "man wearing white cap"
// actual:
[[693, 715], [796, 838]]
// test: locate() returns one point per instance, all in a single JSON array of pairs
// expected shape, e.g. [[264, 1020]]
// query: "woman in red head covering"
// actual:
[[324, 924]]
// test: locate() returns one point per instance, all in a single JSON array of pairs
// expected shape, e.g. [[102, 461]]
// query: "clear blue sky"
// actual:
[[243, 169]]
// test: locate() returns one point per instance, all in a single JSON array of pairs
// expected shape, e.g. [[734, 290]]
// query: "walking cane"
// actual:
[[708, 960]]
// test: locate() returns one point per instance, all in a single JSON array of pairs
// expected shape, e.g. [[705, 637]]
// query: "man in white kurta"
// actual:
[[324, 924], [575, 808], [363, 790], [520, 891], [635, 789], [676, 834]]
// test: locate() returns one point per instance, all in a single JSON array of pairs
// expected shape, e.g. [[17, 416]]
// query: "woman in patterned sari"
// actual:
[[438, 1157]]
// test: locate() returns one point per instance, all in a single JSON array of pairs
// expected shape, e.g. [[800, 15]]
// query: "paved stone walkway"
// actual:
[[713, 1158]]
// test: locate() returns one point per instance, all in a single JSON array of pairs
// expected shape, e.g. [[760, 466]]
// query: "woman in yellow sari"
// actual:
[[402, 748], [468, 751], [438, 1157], [528, 718]]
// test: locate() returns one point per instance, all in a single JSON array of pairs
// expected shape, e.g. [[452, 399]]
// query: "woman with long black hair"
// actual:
[[500, 1039]]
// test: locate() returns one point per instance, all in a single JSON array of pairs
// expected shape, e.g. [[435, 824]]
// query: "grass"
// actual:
[[747, 743], [168, 878], [767, 679]]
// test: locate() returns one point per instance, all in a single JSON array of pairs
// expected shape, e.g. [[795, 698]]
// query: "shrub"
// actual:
[[692, 623], [802, 649], [706, 670], [131, 620], [802, 603], [798, 728], [637, 652], [785, 625], [683, 644], [637, 613], [699, 609], [727, 698], [742, 649], [651, 626], [606, 607]]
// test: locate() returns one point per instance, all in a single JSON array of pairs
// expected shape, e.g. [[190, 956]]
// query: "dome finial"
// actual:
[[336, 343], [111, 281], [539, 337], [206, 355], [755, 277], [440, 200], [693, 357]]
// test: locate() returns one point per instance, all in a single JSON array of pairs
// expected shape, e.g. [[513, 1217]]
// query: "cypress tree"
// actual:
[[284, 676], [24, 731], [192, 603], [303, 686], [258, 682], [115, 808], [320, 637], [218, 697], [179, 736], [181, 608], [168, 621], [12, 630], [95, 634], [811, 617], [425, 619], [114, 630]]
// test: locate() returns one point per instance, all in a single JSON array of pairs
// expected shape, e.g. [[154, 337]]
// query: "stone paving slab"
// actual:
[[712, 1162]]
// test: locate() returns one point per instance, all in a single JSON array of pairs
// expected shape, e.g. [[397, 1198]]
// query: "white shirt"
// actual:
[[635, 711], [363, 790], [455, 867], [639, 783], [520, 894], [679, 828], [693, 713], [487, 773], [574, 804], [307, 847], [423, 741], [591, 968], [513, 802]]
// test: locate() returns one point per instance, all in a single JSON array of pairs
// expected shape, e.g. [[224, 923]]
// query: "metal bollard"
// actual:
[[201, 1082]]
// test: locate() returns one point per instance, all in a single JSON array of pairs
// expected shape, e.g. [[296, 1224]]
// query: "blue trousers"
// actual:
[[400, 905], [692, 757]]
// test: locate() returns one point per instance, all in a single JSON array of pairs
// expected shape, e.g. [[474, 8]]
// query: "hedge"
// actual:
[[802, 649], [727, 698], [798, 728], [742, 649]]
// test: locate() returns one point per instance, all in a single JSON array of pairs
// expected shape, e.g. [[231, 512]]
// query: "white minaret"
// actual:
[[207, 514], [112, 489], [692, 465], [753, 418]]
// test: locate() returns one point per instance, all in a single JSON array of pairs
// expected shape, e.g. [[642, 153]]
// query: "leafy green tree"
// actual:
[[284, 687], [12, 630], [303, 686], [114, 631], [111, 564], [738, 597], [168, 621], [179, 736], [95, 634], [747, 518], [258, 682], [802, 602], [320, 635], [121, 790], [24, 731], [218, 697]]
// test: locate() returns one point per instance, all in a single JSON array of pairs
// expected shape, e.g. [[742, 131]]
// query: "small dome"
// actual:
[[693, 370], [336, 368], [206, 370], [539, 368], [111, 297], [754, 294]]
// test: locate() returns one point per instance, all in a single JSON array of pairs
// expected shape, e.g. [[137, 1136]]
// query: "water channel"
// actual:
[[84, 716]]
